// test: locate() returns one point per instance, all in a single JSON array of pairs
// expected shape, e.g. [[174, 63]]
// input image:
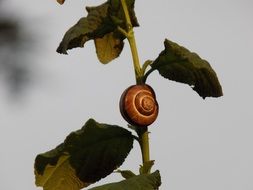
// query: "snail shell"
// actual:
[[138, 105]]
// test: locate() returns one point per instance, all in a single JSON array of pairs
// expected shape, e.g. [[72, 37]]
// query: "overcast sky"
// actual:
[[197, 144]]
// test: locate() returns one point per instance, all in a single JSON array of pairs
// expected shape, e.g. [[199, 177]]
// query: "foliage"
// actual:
[[140, 182], [97, 149], [86, 156], [179, 64], [100, 25]]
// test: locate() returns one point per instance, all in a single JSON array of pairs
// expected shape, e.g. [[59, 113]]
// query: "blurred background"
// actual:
[[197, 144]]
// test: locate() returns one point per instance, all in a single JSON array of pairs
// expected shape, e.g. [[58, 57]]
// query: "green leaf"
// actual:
[[140, 182], [126, 173], [86, 156], [109, 47], [179, 64], [95, 25], [59, 176], [100, 25], [98, 149]]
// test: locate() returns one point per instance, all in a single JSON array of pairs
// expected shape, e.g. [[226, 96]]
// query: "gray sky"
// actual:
[[197, 144]]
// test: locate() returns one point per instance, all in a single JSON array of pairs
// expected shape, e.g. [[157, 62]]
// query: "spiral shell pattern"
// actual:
[[138, 105]]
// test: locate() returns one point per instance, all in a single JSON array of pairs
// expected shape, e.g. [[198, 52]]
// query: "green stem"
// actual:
[[129, 33], [146, 75], [144, 143], [145, 66], [137, 68]]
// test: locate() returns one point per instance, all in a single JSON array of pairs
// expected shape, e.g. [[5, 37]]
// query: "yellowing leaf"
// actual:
[[94, 25], [86, 156], [101, 25], [108, 47], [59, 177], [140, 182]]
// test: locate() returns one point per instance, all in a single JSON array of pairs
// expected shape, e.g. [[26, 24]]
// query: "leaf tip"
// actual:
[[60, 1], [61, 50]]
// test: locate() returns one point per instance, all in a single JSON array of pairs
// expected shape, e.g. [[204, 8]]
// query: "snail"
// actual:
[[138, 105]]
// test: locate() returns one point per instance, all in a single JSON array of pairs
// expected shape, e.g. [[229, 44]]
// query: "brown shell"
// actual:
[[138, 105]]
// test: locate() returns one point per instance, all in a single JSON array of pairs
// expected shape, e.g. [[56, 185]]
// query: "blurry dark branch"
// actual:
[[8, 32], [15, 70]]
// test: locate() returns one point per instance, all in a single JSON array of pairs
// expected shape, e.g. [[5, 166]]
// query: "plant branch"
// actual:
[[145, 66], [136, 138], [144, 143], [129, 33], [147, 74], [129, 25], [123, 31]]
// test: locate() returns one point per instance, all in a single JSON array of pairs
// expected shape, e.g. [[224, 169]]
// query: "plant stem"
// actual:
[[145, 66], [129, 33], [144, 143], [137, 68], [144, 78]]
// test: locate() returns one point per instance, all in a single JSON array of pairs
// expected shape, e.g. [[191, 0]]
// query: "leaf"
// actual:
[[108, 47], [98, 149], [101, 26], [48, 158], [179, 64], [86, 156], [126, 173], [95, 25], [116, 11], [140, 182], [61, 1], [60, 176]]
